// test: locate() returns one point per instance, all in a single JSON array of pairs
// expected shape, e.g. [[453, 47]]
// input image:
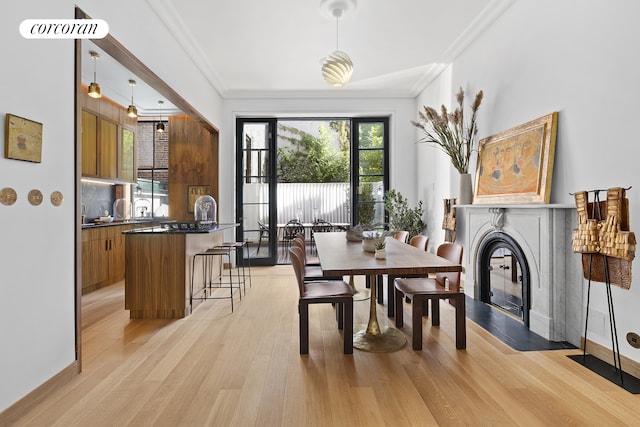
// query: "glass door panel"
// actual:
[[371, 169], [256, 190]]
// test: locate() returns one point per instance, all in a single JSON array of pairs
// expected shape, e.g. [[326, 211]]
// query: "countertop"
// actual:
[[119, 222], [174, 227]]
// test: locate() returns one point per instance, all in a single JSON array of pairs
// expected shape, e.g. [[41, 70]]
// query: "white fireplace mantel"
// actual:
[[543, 232]]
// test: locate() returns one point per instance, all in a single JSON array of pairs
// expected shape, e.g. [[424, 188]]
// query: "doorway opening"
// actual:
[[306, 172]]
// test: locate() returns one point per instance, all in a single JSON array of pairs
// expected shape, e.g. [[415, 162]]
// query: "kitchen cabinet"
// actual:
[[89, 144], [127, 155], [108, 146], [108, 140], [103, 256], [95, 259]]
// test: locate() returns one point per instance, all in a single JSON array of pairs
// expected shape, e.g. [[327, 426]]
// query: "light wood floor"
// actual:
[[215, 368]]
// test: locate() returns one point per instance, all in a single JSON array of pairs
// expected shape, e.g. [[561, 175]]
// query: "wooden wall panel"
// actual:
[[193, 160]]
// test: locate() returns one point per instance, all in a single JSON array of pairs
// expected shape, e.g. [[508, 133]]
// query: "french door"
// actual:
[[369, 169], [256, 189], [257, 179]]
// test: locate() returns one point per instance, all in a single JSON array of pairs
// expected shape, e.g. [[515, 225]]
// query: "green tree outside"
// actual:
[[313, 159]]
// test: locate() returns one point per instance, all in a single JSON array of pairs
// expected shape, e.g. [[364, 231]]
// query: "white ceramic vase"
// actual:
[[369, 245], [465, 189]]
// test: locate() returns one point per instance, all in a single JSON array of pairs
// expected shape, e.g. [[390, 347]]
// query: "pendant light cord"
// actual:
[[337, 13], [337, 32]]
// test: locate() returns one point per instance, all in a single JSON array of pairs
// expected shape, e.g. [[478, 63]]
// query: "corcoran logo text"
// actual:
[[64, 28]]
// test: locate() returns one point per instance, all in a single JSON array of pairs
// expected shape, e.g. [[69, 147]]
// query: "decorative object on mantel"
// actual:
[[608, 239], [515, 166], [8, 196], [451, 134], [23, 139], [449, 221]]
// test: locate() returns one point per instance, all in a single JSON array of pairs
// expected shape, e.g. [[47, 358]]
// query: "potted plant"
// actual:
[[380, 250], [372, 239], [451, 134], [401, 216]]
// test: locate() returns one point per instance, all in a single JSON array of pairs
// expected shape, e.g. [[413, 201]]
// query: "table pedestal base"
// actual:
[[374, 338], [360, 294], [389, 339]]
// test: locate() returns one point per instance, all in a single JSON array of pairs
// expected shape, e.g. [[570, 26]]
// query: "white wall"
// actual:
[[37, 284], [578, 58], [37, 326]]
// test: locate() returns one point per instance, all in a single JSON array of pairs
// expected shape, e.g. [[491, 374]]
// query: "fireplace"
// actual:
[[531, 245], [503, 275]]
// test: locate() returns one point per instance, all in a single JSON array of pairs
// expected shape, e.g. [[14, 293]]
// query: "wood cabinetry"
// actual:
[[159, 270], [89, 144], [103, 256], [108, 140], [108, 154]]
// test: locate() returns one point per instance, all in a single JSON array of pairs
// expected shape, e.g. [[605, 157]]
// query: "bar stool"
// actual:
[[206, 293], [233, 247]]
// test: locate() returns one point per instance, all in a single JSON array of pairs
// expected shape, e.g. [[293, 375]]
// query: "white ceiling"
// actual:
[[254, 48]]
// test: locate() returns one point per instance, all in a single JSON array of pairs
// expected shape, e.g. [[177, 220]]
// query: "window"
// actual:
[[151, 195]]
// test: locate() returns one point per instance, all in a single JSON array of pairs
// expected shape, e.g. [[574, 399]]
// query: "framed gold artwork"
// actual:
[[515, 166], [23, 139], [195, 191]]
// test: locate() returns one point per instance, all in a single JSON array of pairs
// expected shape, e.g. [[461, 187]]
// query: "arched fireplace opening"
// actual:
[[504, 276]]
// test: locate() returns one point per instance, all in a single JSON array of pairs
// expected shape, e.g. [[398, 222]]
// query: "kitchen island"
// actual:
[[158, 267]]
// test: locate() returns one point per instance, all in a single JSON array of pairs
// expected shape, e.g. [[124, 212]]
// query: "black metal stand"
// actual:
[[602, 368]]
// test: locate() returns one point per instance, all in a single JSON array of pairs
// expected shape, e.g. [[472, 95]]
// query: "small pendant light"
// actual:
[[160, 125], [132, 111], [94, 87]]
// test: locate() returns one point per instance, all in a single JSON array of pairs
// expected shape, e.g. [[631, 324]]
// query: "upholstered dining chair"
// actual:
[[419, 241], [335, 292], [308, 259], [311, 271], [443, 286], [401, 235]]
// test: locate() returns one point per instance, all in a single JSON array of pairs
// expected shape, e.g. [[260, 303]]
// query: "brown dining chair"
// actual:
[[335, 292], [443, 286], [309, 260], [401, 235], [419, 241], [311, 271]]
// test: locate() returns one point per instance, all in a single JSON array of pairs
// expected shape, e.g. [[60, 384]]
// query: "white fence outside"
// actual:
[[310, 201], [306, 201]]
